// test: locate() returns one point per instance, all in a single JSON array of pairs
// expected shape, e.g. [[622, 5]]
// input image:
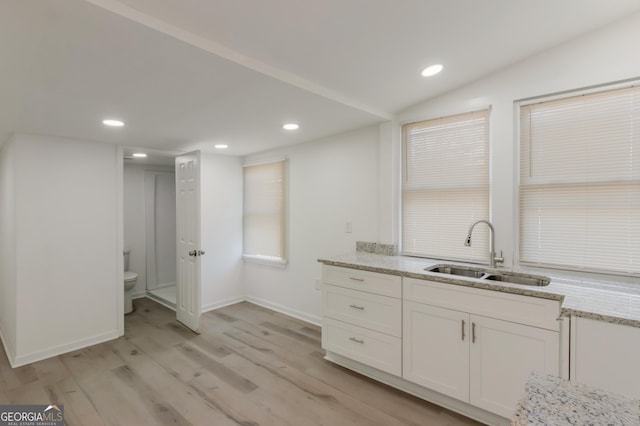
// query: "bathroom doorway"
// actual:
[[149, 224], [160, 236]]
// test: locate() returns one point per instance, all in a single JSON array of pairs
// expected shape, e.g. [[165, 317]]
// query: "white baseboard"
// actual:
[[287, 311], [20, 360], [59, 350], [217, 305], [138, 294], [260, 302], [8, 349]]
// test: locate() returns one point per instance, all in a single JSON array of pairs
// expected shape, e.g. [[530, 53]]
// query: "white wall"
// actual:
[[331, 182], [135, 218], [8, 283], [67, 245], [355, 177], [608, 55], [221, 230]]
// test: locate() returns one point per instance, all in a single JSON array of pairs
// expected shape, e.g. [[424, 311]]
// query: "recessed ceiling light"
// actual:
[[113, 123], [432, 70], [221, 146], [140, 155], [290, 126]]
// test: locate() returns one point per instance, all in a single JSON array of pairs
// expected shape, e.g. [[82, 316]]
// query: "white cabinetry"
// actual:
[[465, 348], [501, 359], [436, 349], [476, 358], [362, 317], [605, 355]]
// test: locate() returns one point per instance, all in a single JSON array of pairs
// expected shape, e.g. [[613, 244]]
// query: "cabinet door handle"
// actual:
[[353, 339], [357, 307], [462, 329], [473, 332], [356, 279]]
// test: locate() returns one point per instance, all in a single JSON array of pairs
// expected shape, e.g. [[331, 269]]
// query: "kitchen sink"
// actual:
[[491, 275], [513, 278], [457, 270]]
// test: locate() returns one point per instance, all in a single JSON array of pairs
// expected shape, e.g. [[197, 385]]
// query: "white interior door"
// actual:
[[188, 250]]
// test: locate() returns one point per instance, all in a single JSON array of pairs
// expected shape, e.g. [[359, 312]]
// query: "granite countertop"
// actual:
[[600, 300], [550, 400]]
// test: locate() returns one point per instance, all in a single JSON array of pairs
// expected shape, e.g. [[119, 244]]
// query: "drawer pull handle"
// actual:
[[356, 279], [473, 332], [353, 339], [462, 328], [357, 307]]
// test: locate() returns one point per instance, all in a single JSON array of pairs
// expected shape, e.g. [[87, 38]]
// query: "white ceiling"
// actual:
[[189, 74]]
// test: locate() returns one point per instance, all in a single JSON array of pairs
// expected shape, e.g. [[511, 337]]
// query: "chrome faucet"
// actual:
[[493, 259]]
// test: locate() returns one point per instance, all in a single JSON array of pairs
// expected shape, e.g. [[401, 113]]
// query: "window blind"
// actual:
[[580, 182], [446, 187], [264, 210]]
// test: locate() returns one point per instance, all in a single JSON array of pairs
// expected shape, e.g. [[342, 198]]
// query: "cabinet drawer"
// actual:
[[372, 282], [526, 310], [375, 349], [372, 311]]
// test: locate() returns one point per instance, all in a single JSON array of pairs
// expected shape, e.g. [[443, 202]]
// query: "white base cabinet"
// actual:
[[466, 344], [468, 349], [436, 349], [605, 355], [501, 359], [362, 317], [480, 360]]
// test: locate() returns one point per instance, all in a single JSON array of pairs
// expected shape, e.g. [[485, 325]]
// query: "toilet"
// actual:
[[130, 279]]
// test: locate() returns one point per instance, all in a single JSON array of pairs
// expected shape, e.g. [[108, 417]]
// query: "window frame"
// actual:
[[576, 271], [402, 177], [270, 260]]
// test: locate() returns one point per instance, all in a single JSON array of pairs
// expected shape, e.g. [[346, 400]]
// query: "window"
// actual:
[[580, 182], [446, 186], [264, 218]]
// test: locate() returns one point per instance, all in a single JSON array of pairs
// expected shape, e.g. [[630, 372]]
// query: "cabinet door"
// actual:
[[436, 349], [503, 354], [605, 355]]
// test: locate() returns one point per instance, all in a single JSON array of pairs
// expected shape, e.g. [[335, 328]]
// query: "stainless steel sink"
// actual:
[[457, 270], [491, 275], [513, 278]]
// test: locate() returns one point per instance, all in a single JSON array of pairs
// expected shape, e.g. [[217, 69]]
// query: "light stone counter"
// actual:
[[603, 301], [550, 400]]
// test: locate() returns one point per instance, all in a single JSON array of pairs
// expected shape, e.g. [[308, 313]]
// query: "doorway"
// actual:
[[160, 236], [145, 188], [160, 219]]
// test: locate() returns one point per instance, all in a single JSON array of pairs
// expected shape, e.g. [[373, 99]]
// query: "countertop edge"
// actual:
[[491, 286]]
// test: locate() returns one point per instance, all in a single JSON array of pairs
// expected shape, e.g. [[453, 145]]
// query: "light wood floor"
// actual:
[[250, 366]]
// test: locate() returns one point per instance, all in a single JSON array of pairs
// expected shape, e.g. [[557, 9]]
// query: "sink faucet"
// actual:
[[493, 259]]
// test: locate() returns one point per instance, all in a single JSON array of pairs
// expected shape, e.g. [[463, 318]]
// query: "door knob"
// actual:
[[200, 252], [193, 253]]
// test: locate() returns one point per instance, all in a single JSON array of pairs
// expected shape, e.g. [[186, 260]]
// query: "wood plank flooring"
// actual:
[[250, 366]]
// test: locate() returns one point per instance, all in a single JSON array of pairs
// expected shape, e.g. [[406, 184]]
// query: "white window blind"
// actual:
[[446, 187], [580, 182], [264, 222]]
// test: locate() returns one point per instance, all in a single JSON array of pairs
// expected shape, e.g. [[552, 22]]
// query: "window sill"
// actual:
[[267, 261]]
